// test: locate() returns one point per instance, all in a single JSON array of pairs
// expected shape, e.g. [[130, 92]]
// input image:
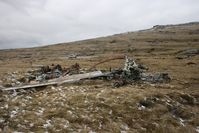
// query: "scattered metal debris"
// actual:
[[155, 78], [56, 75], [59, 81], [133, 72]]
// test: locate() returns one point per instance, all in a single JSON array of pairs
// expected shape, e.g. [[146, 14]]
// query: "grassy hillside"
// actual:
[[95, 105]]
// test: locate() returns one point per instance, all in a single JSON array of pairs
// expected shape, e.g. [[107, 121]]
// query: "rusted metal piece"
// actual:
[[119, 83], [107, 60], [74, 69]]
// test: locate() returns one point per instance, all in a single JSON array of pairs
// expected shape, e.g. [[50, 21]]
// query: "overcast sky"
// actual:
[[29, 23]]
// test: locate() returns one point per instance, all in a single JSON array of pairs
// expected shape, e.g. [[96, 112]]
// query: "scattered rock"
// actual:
[[146, 103], [194, 32], [188, 53], [188, 99], [180, 112], [113, 41], [72, 56], [197, 129], [159, 27]]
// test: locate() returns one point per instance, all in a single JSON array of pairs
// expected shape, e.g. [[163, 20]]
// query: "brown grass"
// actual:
[[95, 105]]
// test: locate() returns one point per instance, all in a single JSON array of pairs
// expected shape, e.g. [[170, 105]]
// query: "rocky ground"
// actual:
[[94, 105]]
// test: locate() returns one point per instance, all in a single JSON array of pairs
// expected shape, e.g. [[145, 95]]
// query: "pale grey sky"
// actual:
[[29, 23]]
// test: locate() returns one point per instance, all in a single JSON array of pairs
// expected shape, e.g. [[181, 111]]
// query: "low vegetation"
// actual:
[[95, 106]]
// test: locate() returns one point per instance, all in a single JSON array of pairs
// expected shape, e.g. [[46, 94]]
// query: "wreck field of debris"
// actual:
[[144, 81]]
